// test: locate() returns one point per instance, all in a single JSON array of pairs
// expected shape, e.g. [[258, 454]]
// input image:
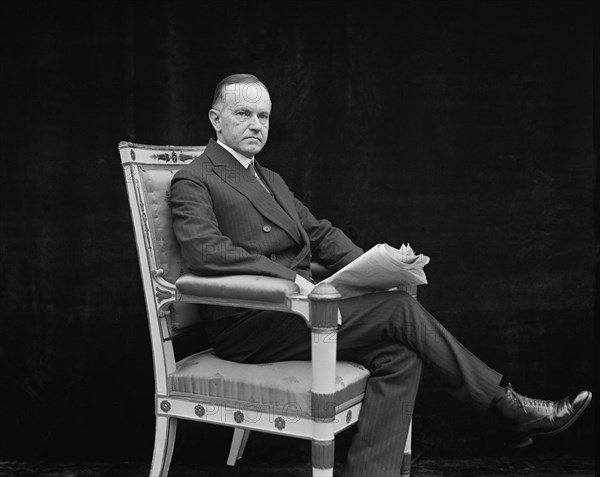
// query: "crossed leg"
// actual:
[[389, 333]]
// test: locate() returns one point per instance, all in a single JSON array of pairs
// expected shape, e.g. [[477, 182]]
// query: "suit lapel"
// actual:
[[234, 174], [284, 198]]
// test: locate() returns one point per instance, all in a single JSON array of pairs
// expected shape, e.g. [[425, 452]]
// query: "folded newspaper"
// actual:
[[381, 268]]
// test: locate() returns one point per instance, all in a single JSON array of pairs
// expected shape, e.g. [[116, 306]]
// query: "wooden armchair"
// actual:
[[311, 400]]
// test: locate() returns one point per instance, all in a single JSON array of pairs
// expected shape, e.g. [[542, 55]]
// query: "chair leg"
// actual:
[[164, 439], [323, 458], [405, 470], [238, 444], [244, 442]]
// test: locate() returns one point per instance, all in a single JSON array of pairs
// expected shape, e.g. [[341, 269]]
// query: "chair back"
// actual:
[[148, 173]]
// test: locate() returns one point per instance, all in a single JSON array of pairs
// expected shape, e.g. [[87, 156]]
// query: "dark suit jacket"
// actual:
[[227, 224]]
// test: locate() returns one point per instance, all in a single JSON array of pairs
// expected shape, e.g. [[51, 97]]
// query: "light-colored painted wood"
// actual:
[[408, 444], [238, 443], [245, 439], [263, 420], [164, 440]]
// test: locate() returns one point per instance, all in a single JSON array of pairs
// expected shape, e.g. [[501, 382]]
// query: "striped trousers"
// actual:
[[393, 336]]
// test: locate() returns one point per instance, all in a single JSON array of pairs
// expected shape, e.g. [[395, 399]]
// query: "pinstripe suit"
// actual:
[[226, 223]]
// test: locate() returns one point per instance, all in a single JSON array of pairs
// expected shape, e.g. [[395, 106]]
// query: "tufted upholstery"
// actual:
[[156, 186], [279, 388]]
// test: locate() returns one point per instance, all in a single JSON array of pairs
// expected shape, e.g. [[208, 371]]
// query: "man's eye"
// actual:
[[263, 117], [243, 114]]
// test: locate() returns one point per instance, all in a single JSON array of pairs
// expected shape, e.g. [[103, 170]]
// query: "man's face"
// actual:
[[242, 120]]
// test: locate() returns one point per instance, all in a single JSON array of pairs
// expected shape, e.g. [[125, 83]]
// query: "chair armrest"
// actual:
[[235, 290]]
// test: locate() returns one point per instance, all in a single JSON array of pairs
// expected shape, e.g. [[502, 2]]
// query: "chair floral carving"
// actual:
[[311, 400]]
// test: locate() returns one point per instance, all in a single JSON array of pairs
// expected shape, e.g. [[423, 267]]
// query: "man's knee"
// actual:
[[395, 357], [402, 303]]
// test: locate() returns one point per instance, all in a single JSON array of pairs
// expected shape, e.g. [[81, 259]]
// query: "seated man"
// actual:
[[232, 216]]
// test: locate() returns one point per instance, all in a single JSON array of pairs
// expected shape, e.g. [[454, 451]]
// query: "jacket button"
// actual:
[[266, 228], [273, 257]]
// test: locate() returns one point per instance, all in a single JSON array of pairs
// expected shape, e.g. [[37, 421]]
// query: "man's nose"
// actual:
[[255, 123]]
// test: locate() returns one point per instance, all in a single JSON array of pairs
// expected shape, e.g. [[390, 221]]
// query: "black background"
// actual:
[[462, 127]]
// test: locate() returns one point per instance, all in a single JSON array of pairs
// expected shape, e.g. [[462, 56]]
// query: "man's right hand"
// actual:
[[305, 286]]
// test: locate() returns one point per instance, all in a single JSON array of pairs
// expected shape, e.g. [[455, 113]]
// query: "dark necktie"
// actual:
[[253, 172]]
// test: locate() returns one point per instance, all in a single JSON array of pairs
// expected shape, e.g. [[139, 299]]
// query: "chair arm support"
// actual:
[[235, 290], [324, 311]]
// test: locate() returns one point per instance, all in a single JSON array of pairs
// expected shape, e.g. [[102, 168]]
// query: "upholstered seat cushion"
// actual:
[[281, 388]]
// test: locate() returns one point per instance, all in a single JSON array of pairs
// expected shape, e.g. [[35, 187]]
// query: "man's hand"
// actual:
[[305, 286]]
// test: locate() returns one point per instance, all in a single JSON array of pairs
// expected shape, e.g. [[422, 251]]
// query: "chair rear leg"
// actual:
[[238, 444], [164, 439], [406, 460], [244, 442]]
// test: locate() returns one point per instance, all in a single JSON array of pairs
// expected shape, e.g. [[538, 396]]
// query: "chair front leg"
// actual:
[[406, 460], [324, 322], [164, 439], [323, 458]]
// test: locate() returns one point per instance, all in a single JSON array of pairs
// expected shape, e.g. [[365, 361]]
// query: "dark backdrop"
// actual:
[[464, 128]]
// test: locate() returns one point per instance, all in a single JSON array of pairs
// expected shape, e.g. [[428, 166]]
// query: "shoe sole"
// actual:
[[527, 439]]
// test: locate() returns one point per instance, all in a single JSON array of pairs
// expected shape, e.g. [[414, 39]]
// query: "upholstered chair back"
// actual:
[[155, 184], [151, 171], [148, 173], [155, 169]]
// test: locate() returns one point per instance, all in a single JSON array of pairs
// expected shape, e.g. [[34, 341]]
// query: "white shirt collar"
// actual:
[[243, 160]]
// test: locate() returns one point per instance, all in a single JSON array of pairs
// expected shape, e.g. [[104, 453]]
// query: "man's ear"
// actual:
[[215, 119]]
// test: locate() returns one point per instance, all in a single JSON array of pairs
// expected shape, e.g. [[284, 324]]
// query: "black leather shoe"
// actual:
[[524, 418]]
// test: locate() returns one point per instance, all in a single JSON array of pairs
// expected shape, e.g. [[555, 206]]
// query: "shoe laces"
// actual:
[[524, 401]]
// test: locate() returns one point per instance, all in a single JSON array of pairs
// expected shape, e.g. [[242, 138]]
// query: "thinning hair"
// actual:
[[240, 78]]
